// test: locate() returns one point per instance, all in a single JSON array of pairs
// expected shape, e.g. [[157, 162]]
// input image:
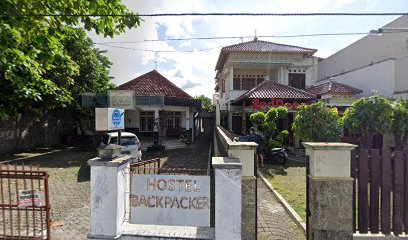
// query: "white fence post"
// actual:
[[109, 185], [228, 197]]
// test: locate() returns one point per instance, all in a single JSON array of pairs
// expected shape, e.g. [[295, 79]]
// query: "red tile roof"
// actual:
[[153, 83], [260, 46], [270, 89], [333, 87]]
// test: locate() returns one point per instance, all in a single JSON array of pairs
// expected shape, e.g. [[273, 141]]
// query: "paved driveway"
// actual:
[[69, 187], [69, 181]]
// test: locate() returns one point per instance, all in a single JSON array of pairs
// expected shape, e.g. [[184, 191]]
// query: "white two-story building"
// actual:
[[257, 74]]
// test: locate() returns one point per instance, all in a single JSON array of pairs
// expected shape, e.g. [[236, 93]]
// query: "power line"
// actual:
[[238, 37], [212, 14], [159, 51]]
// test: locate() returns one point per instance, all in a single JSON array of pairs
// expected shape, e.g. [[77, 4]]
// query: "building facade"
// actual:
[[159, 106], [269, 71], [375, 62]]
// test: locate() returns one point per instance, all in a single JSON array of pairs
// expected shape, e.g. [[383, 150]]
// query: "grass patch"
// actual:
[[290, 181]]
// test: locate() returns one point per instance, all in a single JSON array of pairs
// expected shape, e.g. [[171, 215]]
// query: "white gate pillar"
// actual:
[[109, 187], [228, 202]]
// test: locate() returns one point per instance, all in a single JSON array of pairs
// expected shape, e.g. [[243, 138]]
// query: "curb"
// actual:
[[296, 218]]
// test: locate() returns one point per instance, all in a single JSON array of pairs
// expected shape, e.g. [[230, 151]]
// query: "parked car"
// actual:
[[130, 144]]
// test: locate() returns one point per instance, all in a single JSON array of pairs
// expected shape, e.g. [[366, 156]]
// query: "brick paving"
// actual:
[[69, 188], [70, 193], [274, 223]]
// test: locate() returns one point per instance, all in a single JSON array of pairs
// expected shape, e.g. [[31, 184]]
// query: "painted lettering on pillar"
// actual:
[[172, 200], [169, 185], [275, 102]]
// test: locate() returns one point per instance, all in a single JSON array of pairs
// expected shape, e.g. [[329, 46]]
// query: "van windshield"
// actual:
[[125, 141]]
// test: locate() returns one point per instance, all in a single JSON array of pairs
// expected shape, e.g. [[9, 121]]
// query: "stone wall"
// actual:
[[27, 131], [249, 208]]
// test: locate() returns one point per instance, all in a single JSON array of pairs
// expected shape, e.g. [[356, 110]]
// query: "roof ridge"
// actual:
[[158, 83], [246, 94], [257, 40]]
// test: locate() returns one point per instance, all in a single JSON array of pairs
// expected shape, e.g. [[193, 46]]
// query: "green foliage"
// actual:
[[268, 123], [317, 123], [399, 124], [369, 116], [40, 68], [257, 118], [206, 103], [278, 140]]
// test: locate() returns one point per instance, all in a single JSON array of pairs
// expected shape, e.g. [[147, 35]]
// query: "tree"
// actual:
[[399, 124], [38, 70], [368, 117], [267, 121], [317, 122], [206, 103]]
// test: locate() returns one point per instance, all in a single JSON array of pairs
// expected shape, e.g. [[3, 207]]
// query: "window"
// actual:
[[124, 141], [237, 82], [248, 82], [260, 79], [146, 121], [297, 80], [174, 120]]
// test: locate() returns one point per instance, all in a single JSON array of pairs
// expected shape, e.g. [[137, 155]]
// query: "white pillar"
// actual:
[[109, 187], [245, 152], [228, 201], [187, 119], [156, 114]]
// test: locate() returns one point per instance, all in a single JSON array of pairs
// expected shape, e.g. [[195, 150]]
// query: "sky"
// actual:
[[191, 64]]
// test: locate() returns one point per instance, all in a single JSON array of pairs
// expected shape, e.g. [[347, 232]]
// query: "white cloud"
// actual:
[[198, 67]]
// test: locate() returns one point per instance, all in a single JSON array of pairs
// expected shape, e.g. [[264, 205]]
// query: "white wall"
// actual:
[[371, 55], [376, 77], [401, 74], [368, 50]]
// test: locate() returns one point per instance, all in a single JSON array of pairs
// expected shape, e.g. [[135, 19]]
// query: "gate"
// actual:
[[24, 203]]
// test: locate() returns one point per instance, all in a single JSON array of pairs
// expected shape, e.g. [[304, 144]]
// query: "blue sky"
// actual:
[[194, 71]]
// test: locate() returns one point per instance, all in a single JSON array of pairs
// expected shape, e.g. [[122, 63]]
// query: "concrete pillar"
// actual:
[[228, 203], [230, 121], [330, 191], [217, 114], [109, 188], [245, 152], [156, 114], [244, 122], [187, 119]]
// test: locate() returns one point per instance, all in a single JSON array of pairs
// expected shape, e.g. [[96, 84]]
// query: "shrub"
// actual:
[[367, 117], [317, 123]]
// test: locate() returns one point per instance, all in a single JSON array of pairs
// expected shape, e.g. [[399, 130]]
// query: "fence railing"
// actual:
[[24, 203], [151, 166], [229, 134], [380, 191]]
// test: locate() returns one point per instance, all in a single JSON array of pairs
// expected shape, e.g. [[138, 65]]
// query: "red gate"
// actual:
[[24, 203]]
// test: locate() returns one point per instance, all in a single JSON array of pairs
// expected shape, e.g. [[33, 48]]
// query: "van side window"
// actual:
[[125, 141]]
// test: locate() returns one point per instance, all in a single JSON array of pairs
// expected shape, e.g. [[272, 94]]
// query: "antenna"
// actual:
[[155, 65], [255, 36]]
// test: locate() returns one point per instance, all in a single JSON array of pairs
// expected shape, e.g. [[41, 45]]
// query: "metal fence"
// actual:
[[24, 203]]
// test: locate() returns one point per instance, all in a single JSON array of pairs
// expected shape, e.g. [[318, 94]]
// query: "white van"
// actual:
[[130, 144]]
